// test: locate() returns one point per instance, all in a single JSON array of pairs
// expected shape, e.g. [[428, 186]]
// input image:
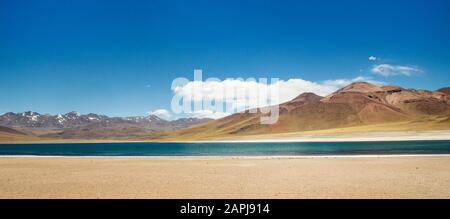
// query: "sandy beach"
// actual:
[[226, 177], [321, 136], [332, 135]]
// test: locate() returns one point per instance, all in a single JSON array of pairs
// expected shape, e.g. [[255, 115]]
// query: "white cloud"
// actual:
[[389, 70], [161, 113], [287, 90], [338, 83], [167, 115], [208, 114], [373, 58]]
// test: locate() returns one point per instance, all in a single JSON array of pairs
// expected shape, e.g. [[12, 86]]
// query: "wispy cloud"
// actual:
[[338, 83], [373, 58], [162, 113], [390, 70], [210, 114]]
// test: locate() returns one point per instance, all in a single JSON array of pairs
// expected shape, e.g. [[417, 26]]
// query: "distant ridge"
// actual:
[[90, 126]]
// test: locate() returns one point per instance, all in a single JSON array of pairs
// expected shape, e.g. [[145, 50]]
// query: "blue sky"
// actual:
[[119, 57]]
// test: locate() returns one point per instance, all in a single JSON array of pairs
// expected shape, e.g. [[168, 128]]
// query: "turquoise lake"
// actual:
[[228, 149]]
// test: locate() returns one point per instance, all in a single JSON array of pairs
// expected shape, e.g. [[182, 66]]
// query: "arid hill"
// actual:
[[357, 104], [12, 135], [445, 90], [10, 131]]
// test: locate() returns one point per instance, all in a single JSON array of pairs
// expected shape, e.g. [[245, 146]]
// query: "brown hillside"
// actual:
[[4, 129], [9, 135], [445, 90]]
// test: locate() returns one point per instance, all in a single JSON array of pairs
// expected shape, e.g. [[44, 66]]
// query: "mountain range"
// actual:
[[356, 106], [359, 104], [73, 125]]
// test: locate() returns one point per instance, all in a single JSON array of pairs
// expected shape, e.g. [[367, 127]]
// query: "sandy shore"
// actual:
[[339, 137], [311, 136], [225, 177]]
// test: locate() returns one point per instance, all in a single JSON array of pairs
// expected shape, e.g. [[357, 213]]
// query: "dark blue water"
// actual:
[[228, 149]]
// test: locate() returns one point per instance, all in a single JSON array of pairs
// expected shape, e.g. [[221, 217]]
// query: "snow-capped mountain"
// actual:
[[75, 120], [36, 120]]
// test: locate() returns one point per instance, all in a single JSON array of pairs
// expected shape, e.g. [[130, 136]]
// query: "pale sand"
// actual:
[[339, 137], [332, 135], [225, 177]]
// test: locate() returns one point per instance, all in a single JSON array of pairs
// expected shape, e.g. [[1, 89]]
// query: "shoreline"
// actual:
[[435, 135], [201, 157]]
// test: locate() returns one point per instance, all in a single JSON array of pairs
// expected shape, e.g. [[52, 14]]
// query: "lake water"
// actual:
[[228, 149]]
